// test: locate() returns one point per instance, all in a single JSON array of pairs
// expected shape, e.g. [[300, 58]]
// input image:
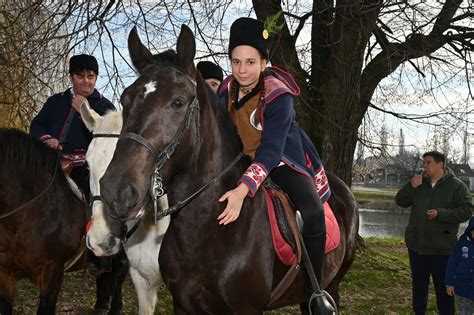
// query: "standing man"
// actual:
[[59, 123], [211, 73], [439, 203]]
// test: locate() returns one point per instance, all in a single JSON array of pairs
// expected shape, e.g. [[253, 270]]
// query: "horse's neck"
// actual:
[[215, 152]]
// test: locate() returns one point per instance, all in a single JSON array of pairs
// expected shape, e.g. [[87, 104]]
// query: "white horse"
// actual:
[[104, 236]]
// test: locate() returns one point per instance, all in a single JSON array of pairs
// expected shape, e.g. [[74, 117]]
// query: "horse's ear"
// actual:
[[89, 117], [139, 54], [186, 49]]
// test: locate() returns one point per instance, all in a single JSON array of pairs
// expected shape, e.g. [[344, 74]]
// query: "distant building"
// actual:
[[464, 173], [386, 171], [394, 172]]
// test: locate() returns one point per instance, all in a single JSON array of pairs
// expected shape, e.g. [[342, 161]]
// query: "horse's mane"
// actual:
[[166, 57], [229, 131], [111, 122], [20, 151]]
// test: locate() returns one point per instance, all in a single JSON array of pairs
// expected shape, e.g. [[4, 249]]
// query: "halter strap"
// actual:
[[147, 144], [167, 152], [105, 135]]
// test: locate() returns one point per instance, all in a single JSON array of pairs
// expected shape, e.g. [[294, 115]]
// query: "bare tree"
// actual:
[[351, 58], [353, 46]]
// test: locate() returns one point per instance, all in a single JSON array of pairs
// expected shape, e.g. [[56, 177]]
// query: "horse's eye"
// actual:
[[177, 104]]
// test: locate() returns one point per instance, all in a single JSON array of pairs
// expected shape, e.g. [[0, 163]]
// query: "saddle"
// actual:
[[284, 230], [70, 160]]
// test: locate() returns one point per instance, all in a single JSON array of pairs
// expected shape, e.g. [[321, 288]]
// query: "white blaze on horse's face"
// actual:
[[150, 87]]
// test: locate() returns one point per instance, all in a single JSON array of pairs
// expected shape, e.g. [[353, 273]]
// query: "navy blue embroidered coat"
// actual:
[[282, 138], [57, 113], [460, 270]]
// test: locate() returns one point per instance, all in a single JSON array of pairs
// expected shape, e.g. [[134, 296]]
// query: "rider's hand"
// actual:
[[53, 143], [235, 198], [78, 101]]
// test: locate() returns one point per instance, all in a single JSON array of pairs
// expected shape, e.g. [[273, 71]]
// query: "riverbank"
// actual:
[[376, 198], [377, 283]]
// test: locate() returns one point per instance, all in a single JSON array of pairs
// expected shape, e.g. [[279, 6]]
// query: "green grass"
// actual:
[[367, 197], [378, 283]]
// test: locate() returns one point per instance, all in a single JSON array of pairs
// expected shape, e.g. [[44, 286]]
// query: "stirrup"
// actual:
[[322, 302]]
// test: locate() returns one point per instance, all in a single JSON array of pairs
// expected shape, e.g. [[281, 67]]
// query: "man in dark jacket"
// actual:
[[59, 122], [439, 203]]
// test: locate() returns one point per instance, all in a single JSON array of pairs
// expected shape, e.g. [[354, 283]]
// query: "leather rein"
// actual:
[[23, 206]]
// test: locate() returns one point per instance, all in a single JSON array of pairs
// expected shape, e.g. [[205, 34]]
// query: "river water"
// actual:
[[383, 223]]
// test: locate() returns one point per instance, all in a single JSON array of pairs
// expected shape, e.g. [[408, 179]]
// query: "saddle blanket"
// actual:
[[284, 250]]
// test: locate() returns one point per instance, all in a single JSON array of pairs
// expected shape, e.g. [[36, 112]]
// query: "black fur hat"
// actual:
[[83, 62], [251, 32], [210, 70]]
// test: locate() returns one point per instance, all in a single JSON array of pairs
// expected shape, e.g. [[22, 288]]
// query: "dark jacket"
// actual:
[[282, 138], [460, 270], [52, 119], [451, 198]]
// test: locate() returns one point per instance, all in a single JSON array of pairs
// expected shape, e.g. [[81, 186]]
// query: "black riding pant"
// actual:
[[303, 194]]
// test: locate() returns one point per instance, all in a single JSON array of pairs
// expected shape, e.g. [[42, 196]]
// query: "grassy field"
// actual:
[[378, 283]]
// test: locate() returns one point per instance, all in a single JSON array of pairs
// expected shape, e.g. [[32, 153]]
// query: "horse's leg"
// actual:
[[7, 293], [146, 292], [6, 307], [120, 270], [104, 289], [49, 285], [333, 290]]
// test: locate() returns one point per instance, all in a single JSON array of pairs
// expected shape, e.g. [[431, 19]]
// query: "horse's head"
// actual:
[[103, 237], [158, 109]]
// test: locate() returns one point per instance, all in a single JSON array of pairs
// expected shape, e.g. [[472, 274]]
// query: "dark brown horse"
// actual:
[[173, 129], [42, 223]]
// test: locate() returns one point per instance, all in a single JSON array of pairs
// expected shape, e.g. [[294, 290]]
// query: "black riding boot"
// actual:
[[315, 246]]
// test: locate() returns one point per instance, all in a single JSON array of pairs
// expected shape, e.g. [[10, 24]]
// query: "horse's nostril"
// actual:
[[112, 243]]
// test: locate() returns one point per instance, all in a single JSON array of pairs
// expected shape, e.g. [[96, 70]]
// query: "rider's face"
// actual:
[[247, 64], [84, 82]]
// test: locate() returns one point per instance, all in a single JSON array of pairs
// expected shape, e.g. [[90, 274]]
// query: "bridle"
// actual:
[[102, 135], [156, 187], [94, 198]]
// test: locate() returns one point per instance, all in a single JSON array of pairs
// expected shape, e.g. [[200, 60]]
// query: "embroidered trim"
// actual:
[[254, 176], [321, 184]]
